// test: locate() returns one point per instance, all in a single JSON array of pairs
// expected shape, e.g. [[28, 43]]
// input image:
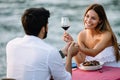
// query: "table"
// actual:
[[106, 73]]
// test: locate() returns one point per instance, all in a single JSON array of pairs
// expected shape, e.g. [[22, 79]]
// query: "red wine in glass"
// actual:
[[65, 27], [65, 23]]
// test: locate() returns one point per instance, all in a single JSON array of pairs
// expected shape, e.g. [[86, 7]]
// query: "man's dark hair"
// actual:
[[34, 19]]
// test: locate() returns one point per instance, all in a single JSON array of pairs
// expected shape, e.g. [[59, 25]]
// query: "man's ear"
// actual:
[[43, 30]]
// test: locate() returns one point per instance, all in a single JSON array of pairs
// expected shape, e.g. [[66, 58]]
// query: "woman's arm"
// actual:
[[79, 58], [104, 42]]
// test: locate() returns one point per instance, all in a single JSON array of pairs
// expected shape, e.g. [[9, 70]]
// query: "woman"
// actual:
[[97, 41]]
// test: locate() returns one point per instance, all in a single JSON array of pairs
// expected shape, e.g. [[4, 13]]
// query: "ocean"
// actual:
[[10, 20]]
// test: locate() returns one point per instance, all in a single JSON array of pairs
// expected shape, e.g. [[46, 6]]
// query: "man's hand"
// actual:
[[73, 49], [65, 49]]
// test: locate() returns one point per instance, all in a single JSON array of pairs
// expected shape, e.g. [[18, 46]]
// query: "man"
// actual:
[[30, 58]]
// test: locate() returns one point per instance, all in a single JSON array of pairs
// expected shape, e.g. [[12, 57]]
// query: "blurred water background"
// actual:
[[11, 11]]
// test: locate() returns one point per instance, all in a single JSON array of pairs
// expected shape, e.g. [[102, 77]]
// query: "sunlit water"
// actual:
[[11, 11]]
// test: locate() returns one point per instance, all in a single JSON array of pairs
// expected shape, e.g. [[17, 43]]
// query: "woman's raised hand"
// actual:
[[67, 37]]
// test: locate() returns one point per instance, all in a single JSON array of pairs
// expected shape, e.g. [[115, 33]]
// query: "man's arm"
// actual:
[[69, 51]]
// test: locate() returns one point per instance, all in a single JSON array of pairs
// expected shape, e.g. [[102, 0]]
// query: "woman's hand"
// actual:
[[67, 37]]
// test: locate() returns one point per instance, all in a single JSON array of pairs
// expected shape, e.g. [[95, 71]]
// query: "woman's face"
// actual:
[[91, 19]]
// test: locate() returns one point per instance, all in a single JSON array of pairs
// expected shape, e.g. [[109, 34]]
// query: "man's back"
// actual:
[[29, 56]]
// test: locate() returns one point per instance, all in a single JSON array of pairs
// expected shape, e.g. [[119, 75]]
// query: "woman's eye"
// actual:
[[87, 16], [93, 18]]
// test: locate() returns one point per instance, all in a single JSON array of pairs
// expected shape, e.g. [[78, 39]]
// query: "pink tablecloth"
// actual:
[[106, 73]]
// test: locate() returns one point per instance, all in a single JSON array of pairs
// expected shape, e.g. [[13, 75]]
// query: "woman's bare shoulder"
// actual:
[[106, 38], [107, 34]]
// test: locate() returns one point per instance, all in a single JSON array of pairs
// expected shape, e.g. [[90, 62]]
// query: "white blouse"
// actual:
[[106, 56]]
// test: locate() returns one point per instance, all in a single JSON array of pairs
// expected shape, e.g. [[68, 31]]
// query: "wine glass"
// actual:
[[65, 23]]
